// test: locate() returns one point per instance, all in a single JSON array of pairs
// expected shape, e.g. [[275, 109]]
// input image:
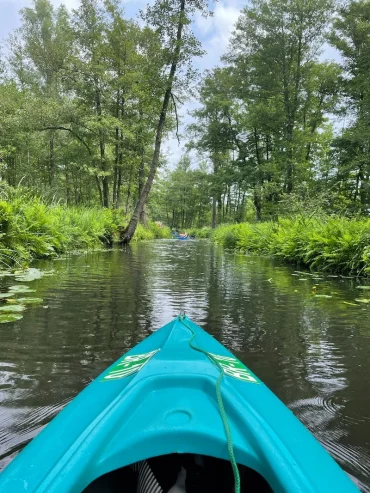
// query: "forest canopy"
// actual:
[[87, 97]]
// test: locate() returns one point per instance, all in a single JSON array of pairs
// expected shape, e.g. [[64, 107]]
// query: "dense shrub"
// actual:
[[30, 228], [151, 231], [333, 243], [205, 232]]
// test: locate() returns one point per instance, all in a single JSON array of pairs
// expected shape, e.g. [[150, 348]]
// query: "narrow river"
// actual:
[[312, 351]]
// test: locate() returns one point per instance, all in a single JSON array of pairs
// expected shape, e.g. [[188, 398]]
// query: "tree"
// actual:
[[181, 197], [171, 19], [272, 52], [46, 44], [351, 36], [212, 133]]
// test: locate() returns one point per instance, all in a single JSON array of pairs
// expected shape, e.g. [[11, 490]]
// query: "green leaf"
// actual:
[[6, 295], [322, 296], [21, 289], [29, 275], [362, 300], [12, 308], [10, 317], [30, 301]]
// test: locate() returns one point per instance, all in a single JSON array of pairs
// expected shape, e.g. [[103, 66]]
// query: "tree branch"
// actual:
[[66, 129]]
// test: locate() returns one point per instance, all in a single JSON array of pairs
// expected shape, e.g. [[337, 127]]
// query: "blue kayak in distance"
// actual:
[[177, 408], [183, 238]]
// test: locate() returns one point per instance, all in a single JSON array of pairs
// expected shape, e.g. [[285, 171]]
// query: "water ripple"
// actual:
[[312, 353]]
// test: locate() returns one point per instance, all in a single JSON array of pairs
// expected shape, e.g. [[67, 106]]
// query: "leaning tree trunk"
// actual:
[[131, 228]]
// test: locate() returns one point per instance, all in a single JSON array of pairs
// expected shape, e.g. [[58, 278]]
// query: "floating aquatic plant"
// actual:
[[12, 308], [10, 317]]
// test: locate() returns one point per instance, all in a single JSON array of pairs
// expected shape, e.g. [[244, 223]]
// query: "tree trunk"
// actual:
[[120, 167], [129, 190], [115, 176], [51, 160], [68, 190], [103, 164], [219, 208], [257, 205], [130, 230], [118, 192], [99, 190], [143, 216], [141, 179], [214, 212]]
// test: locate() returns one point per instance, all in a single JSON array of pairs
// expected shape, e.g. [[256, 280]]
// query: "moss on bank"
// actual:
[[334, 244]]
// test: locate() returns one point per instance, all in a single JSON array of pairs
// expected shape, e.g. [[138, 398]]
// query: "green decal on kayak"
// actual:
[[128, 365], [234, 368]]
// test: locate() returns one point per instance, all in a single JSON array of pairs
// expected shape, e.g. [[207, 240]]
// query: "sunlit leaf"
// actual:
[[29, 275], [322, 296], [367, 288], [30, 301], [362, 300], [20, 289], [12, 308], [10, 317], [6, 295]]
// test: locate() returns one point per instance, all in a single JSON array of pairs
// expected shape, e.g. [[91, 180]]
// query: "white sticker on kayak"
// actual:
[[234, 368], [128, 365]]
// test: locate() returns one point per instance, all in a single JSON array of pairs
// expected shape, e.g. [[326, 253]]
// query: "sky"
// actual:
[[213, 32]]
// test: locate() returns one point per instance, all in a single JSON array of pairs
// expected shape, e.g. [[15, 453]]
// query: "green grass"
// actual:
[[334, 244], [151, 232], [204, 232], [31, 228]]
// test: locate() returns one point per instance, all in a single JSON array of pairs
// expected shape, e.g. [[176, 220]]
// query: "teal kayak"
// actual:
[[178, 409]]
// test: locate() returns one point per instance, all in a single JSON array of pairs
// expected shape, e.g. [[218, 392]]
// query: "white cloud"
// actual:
[[215, 31]]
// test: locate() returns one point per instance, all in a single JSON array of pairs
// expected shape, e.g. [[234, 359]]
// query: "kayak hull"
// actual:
[[160, 398]]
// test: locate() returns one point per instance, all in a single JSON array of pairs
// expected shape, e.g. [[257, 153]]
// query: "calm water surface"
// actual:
[[314, 353]]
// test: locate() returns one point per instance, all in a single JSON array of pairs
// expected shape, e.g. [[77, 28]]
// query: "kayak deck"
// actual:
[[159, 400]]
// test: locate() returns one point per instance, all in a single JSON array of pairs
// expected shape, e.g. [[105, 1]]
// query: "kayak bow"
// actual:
[[160, 399]]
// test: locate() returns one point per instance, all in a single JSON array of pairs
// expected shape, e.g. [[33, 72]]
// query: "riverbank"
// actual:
[[32, 229], [332, 244]]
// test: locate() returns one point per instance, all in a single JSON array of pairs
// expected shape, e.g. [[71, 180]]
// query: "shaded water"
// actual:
[[312, 352]]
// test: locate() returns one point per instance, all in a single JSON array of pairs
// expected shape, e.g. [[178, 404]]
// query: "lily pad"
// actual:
[[322, 296], [10, 317], [12, 308], [11, 301], [30, 301], [349, 303], [20, 288], [6, 295], [367, 288], [29, 275], [362, 300]]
